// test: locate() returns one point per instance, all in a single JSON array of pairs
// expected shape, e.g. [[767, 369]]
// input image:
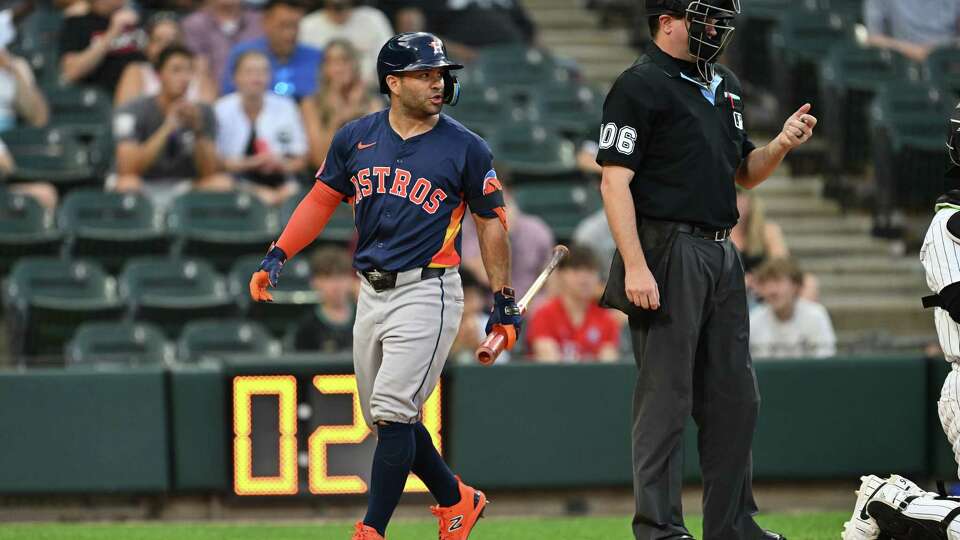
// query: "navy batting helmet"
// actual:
[[415, 51]]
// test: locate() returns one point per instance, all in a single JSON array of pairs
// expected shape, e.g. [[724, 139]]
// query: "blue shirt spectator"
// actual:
[[294, 66], [294, 77]]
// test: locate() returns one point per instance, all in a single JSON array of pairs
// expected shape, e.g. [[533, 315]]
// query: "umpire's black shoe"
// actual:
[[770, 535]]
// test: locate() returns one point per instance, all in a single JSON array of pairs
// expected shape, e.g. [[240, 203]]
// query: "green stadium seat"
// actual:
[[25, 229], [909, 127], [533, 152], [516, 70], [57, 154], [574, 111], [171, 291], [339, 230], [40, 29], [293, 297], [221, 226], [799, 43], [850, 77], [942, 68], [484, 111], [225, 337], [77, 105], [124, 343], [48, 298], [563, 205], [111, 227]]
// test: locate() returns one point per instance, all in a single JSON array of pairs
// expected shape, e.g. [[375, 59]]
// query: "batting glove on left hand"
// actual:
[[505, 315], [267, 274]]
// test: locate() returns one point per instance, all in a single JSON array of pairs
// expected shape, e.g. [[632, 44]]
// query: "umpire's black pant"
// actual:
[[693, 358]]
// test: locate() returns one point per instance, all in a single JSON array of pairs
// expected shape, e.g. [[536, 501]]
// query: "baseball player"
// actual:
[[673, 146], [410, 173], [896, 507]]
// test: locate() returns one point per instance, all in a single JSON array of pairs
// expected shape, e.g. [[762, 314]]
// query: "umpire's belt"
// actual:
[[707, 233], [382, 280]]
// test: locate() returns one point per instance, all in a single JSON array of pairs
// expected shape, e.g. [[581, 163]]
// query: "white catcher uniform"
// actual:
[[896, 507], [940, 256]]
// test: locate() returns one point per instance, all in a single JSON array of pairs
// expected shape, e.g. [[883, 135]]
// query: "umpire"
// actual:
[[672, 144]]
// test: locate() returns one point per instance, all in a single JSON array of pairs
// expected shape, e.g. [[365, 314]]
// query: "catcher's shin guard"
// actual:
[[902, 515], [863, 527]]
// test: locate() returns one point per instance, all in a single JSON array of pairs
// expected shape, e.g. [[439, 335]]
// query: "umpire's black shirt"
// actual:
[[684, 140]]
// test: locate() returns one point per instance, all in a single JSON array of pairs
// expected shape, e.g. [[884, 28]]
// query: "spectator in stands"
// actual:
[[329, 328], [756, 238], [216, 28], [787, 326], [468, 25], [95, 48], [260, 137], [43, 192], [571, 326], [472, 325], [140, 78], [365, 27], [294, 66], [594, 234], [165, 144], [531, 245], [20, 98], [342, 97], [911, 28]]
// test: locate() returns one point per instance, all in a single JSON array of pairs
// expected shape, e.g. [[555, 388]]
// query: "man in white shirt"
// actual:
[[367, 28], [261, 137], [787, 326]]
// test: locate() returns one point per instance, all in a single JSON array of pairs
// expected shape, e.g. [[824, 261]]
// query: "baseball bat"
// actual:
[[496, 341]]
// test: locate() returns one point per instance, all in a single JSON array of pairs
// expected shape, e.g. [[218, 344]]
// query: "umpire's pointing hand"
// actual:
[[641, 288], [798, 128]]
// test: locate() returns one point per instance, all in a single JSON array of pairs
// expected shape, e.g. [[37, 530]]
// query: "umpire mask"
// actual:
[[711, 27]]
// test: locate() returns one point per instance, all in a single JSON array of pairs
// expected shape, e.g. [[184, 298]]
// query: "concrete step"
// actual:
[[537, 5], [836, 225], [615, 37], [897, 315], [778, 207], [804, 246], [602, 74], [564, 17], [837, 285], [841, 264], [781, 186], [589, 53]]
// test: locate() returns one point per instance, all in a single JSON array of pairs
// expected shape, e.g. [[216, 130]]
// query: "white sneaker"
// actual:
[[893, 512]]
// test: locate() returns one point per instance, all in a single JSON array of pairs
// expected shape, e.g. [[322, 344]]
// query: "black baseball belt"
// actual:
[[382, 280], [707, 233]]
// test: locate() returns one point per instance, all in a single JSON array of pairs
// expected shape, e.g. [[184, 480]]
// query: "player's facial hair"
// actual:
[[413, 106]]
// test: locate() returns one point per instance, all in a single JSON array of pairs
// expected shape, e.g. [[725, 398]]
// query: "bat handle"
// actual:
[[491, 347]]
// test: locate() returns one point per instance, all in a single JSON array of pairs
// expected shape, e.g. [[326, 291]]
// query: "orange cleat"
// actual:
[[365, 532], [458, 520]]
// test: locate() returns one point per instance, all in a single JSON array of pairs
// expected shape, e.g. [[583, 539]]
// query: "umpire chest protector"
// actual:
[[683, 138]]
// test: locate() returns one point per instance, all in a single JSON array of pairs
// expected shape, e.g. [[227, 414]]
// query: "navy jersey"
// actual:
[[410, 196]]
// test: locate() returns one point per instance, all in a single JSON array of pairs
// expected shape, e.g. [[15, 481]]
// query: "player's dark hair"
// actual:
[[579, 258], [330, 261], [171, 51], [778, 268], [294, 4]]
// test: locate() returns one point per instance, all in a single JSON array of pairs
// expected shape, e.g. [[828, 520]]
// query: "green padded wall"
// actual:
[[199, 424], [83, 431]]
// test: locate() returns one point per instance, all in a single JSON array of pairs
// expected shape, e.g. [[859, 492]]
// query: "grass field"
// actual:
[[812, 526]]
